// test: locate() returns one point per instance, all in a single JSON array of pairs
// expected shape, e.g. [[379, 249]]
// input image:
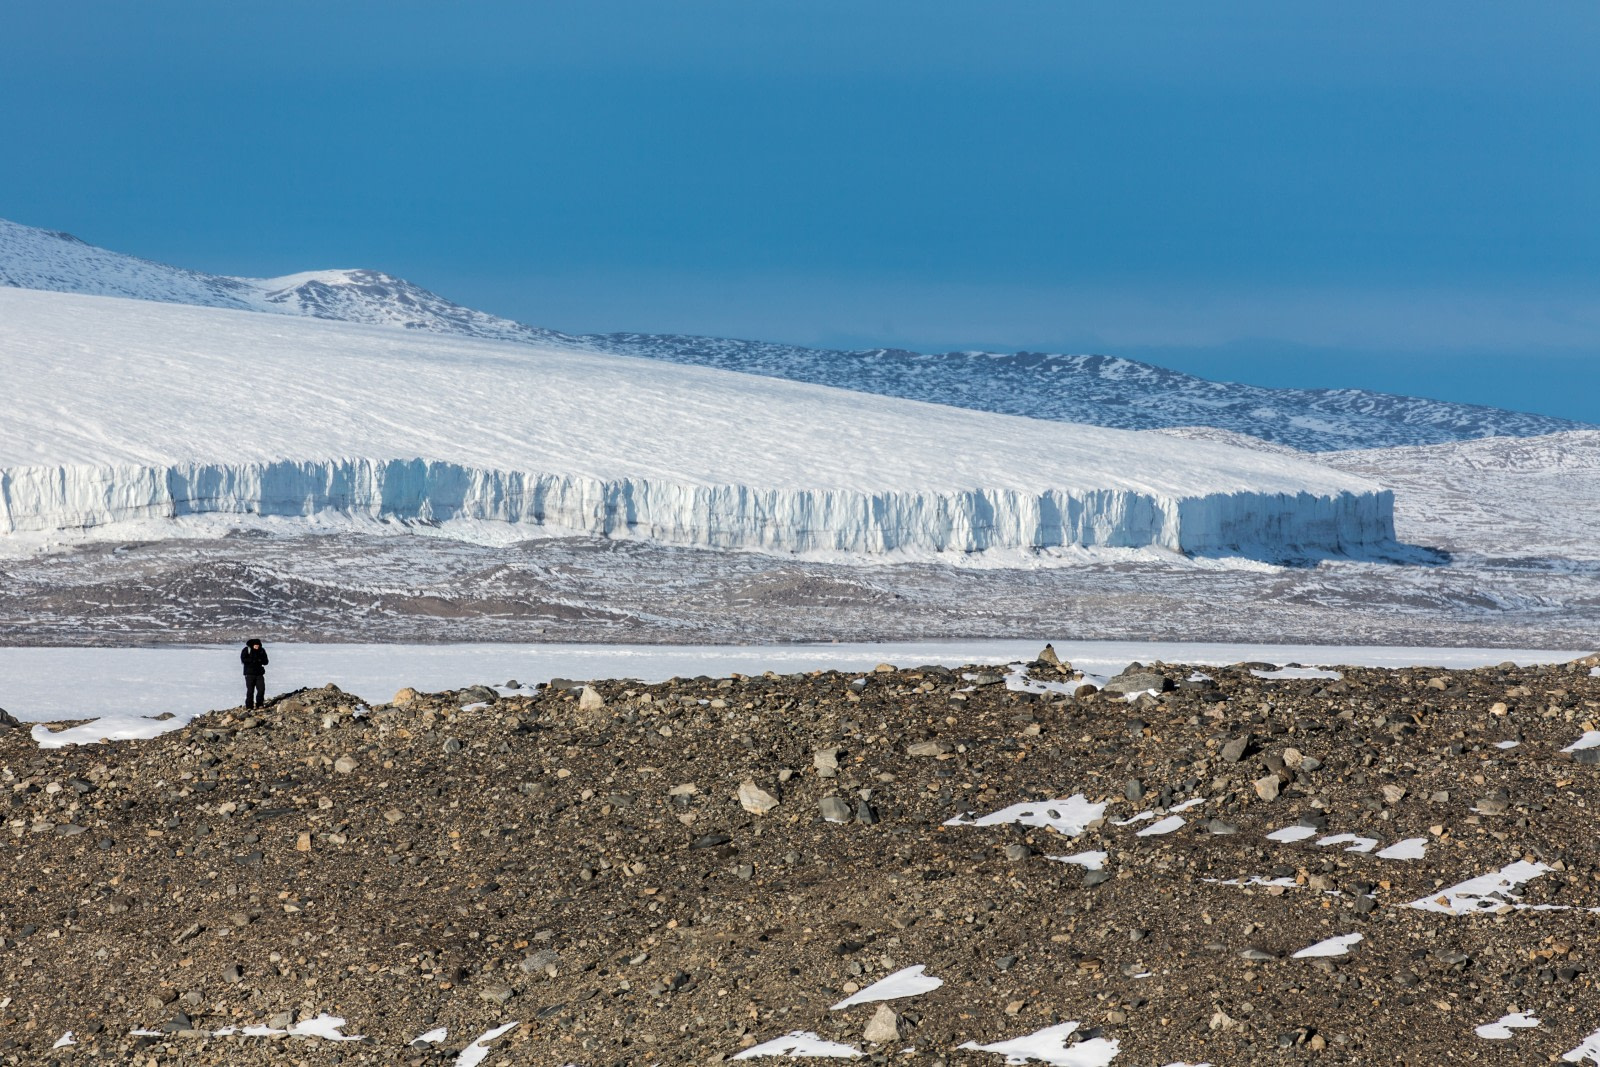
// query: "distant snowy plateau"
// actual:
[[177, 448]]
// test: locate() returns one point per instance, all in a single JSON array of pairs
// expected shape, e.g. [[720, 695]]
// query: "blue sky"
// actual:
[[1395, 196]]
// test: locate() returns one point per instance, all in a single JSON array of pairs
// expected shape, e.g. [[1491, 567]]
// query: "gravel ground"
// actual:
[[590, 865]]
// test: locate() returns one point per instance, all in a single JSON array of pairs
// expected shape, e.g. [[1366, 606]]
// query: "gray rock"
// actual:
[[1234, 750], [496, 994], [590, 700], [826, 762], [866, 814], [883, 1027], [545, 961], [1217, 826], [928, 748], [1018, 852], [1588, 756], [834, 809], [1134, 789], [1138, 681]]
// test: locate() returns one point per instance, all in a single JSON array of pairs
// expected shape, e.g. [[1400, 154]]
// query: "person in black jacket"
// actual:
[[254, 658]]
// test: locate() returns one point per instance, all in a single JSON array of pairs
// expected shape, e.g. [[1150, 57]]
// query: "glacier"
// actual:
[[119, 411]]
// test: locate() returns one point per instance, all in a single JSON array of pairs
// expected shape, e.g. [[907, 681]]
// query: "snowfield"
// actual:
[[125, 410]]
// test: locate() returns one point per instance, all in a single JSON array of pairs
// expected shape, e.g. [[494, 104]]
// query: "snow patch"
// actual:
[[1356, 843], [1588, 1049], [801, 1044], [1051, 1046], [1590, 739], [1333, 946], [1071, 816], [478, 1051], [1487, 892], [1299, 672], [907, 982], [1293, 833], [1093, 860], [1412, 848], [1501, 1029], [1165, 826]]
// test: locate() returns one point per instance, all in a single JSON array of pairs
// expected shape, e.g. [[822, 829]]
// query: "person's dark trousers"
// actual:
[[255, 690]]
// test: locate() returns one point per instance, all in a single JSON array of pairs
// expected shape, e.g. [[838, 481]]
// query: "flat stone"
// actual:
[[754, 799], [1267, 788]]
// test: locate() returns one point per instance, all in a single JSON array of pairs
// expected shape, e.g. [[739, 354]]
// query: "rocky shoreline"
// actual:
[[1246, 865]]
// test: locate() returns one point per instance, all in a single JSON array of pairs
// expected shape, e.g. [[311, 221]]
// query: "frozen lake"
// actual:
[[123, 688]]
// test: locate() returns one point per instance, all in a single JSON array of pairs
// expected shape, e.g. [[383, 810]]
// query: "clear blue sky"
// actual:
[[1402, 196]]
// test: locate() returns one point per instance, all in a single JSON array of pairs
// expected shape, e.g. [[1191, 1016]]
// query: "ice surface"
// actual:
[[515, 433], [1506, 744], [1487, 892], [1050, 1045], [1293, 833], [907, 982], [1412, 848], [1071, 816], [64, 1041], [1333, 946], [1094, 860], [478, 1051], [432, 1037], [1501, 1028], [1192, 802], [801, 1044], [1165, 826]]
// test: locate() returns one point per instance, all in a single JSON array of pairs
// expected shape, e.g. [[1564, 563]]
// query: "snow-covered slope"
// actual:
[[123, 410], [1098, 390], [1509, 498]]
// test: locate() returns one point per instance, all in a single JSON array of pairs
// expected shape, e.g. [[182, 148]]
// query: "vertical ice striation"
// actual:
[[711, 516]]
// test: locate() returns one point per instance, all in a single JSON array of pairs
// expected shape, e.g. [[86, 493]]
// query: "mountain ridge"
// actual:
[[1100, 390]]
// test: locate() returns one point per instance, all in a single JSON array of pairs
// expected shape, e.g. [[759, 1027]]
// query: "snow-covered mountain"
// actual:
[[31, 258], [122, 411], [1098, 390]]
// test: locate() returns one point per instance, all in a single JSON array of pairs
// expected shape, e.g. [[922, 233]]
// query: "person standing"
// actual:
[[254, 658]]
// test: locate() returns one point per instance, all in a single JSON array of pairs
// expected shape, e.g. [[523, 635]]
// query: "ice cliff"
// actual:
[[120, 410]]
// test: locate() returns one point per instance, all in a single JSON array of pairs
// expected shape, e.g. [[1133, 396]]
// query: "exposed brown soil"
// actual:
[[431, 865]]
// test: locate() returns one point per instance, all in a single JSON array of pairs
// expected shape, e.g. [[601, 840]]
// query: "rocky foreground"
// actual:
[[678, 873]]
